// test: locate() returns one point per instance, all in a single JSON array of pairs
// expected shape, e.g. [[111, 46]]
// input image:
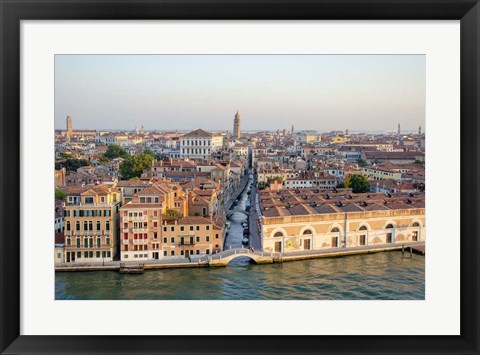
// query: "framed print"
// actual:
[[282, 176]]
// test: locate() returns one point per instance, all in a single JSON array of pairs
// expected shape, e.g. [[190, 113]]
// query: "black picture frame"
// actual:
[[13, 11]]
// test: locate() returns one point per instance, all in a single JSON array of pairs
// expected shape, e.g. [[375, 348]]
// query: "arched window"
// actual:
[[68, 225], [389, 226], [77, 225], [363, 228], [335, 230], [278, 234], [415, 224], [85, 225], [307, 232], [107, 225]]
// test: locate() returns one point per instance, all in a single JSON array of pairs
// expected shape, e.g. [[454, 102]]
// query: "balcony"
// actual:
[[140, 241], [139, 230], [133, 219], [88, 233]]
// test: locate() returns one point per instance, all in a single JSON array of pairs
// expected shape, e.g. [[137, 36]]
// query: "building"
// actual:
[[294, 220], [150, 232], [199, 144], [236, 127], [91, 223]]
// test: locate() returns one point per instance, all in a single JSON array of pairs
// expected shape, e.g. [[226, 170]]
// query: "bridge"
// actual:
[[224, 257]]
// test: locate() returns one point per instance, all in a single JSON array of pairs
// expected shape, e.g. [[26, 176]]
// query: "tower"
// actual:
[[236, 126], [292, 128], [399, 129], [69, 127], [419, 130]]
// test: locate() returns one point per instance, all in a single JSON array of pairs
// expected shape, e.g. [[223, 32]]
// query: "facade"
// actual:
[[236, 127], [91, 224], [199, 144], [190, 236], [312, 220]]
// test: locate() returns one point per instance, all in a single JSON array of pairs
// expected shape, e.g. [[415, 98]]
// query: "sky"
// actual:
[[169, 92]]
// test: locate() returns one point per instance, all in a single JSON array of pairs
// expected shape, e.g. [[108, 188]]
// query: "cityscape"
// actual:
[[239, 214]]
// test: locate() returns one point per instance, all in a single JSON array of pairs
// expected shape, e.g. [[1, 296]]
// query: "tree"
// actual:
[[71, 164], [134, 165], [358, 183], [115, 151], [361, 162], [59, 194], [262, 185], [171, 214], [152, 153]]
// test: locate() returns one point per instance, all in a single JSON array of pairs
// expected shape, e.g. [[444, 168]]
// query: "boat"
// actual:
[[245, 241], [246, 231]]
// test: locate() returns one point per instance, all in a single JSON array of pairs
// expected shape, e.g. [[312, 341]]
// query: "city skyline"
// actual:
[[183, 92]]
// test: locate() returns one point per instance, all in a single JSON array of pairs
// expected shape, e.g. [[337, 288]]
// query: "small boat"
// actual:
[[245, 241], [244, 224], [246, 232]]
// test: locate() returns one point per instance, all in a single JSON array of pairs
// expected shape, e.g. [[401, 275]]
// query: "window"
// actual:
[[85, 254], [98, 225], [90, 226], [79, 254], [99, 242], [172, 239], [335, 230], [197, 228], [182, 253], [216, 236], [78, 242], [207, 228], [172, 253], [182, 228], [69, 241], [278, 234], [164, 253], [155, 236], [164, 229], [307, 232], [208, 251], [198, 251], [97, 254], [88, 199], [208, 238], [172, 229], [107, 225], [198, 239], [165, 240], [191, 228], [85, 225], [107, 240]]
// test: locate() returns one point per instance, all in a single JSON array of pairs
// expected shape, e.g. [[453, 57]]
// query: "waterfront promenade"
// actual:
[[224, 257]]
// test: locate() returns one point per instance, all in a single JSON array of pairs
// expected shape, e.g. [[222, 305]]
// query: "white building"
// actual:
[[199, 144]]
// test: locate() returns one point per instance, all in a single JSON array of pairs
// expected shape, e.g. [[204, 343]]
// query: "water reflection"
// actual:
[[369, 276]]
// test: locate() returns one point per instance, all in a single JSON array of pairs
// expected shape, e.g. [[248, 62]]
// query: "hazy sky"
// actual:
[[321, 92]]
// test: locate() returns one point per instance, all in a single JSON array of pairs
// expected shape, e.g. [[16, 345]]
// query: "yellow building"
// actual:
[[311, 219], [91, 223], [150, 231]]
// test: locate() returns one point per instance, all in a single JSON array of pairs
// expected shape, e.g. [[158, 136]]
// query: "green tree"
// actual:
[[171, 214], [361, 162], [358, 183], [115, 151], [59, 194], [134, 165], [71, 164], [152, 153]]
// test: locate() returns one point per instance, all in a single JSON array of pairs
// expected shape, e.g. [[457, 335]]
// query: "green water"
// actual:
[[381, 276]]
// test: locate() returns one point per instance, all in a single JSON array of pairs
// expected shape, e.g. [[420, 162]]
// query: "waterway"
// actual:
[[380, 276]]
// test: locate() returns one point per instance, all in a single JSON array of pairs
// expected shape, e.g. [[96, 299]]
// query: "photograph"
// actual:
[[240, 177]]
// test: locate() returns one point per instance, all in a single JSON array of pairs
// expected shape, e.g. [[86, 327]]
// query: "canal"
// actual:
[[380, 276]]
